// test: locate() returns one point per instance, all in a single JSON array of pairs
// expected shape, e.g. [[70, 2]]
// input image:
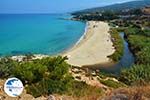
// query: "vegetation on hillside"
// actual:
[[137, 74], [116, 7], [111, 83], [139, 41], [7, 65], [107, 15], [118, 45], [135, 24], [45, 76]]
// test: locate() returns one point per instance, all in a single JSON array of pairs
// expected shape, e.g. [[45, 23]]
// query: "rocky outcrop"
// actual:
[[146, 10]]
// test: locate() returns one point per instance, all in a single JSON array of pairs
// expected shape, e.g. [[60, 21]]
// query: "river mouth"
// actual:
[[126, 61]]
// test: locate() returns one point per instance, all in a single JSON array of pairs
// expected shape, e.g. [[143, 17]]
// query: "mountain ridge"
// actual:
[[116, 7]]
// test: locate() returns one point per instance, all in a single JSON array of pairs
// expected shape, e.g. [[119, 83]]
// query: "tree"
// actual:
[[7, 65]]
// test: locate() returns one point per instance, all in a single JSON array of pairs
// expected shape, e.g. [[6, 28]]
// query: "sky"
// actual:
[[51, 6]]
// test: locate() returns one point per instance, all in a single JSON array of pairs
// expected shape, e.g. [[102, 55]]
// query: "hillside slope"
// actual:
[[117, 7]]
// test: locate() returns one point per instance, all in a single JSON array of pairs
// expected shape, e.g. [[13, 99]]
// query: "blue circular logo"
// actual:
[[13, 87]]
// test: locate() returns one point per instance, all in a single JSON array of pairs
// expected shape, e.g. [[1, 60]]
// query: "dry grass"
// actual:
[[93, 93], [130, 93]]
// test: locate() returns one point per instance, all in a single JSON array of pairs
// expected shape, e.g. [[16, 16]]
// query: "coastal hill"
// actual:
[[116, 7]]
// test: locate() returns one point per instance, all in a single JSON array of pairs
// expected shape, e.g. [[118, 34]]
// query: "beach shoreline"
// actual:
[[80, 40], [92, 48], [87, 51]]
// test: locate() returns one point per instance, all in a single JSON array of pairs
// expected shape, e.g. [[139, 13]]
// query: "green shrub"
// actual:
[[6, 67], [112, 83], [140, 46], [118, 44], [146, 33], [30, 72], [136, 74], [104, 75], [41, 76], [133, 31], [49, 86]]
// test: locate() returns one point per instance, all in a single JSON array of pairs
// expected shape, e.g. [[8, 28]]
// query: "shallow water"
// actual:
[[38, 33]]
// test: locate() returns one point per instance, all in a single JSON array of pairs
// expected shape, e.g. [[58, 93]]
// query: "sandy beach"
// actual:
[[94, 47]]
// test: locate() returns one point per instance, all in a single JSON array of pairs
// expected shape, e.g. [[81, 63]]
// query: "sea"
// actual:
[[49, 34]]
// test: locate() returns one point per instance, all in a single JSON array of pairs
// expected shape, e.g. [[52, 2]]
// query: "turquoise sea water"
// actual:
[[37, 33]]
